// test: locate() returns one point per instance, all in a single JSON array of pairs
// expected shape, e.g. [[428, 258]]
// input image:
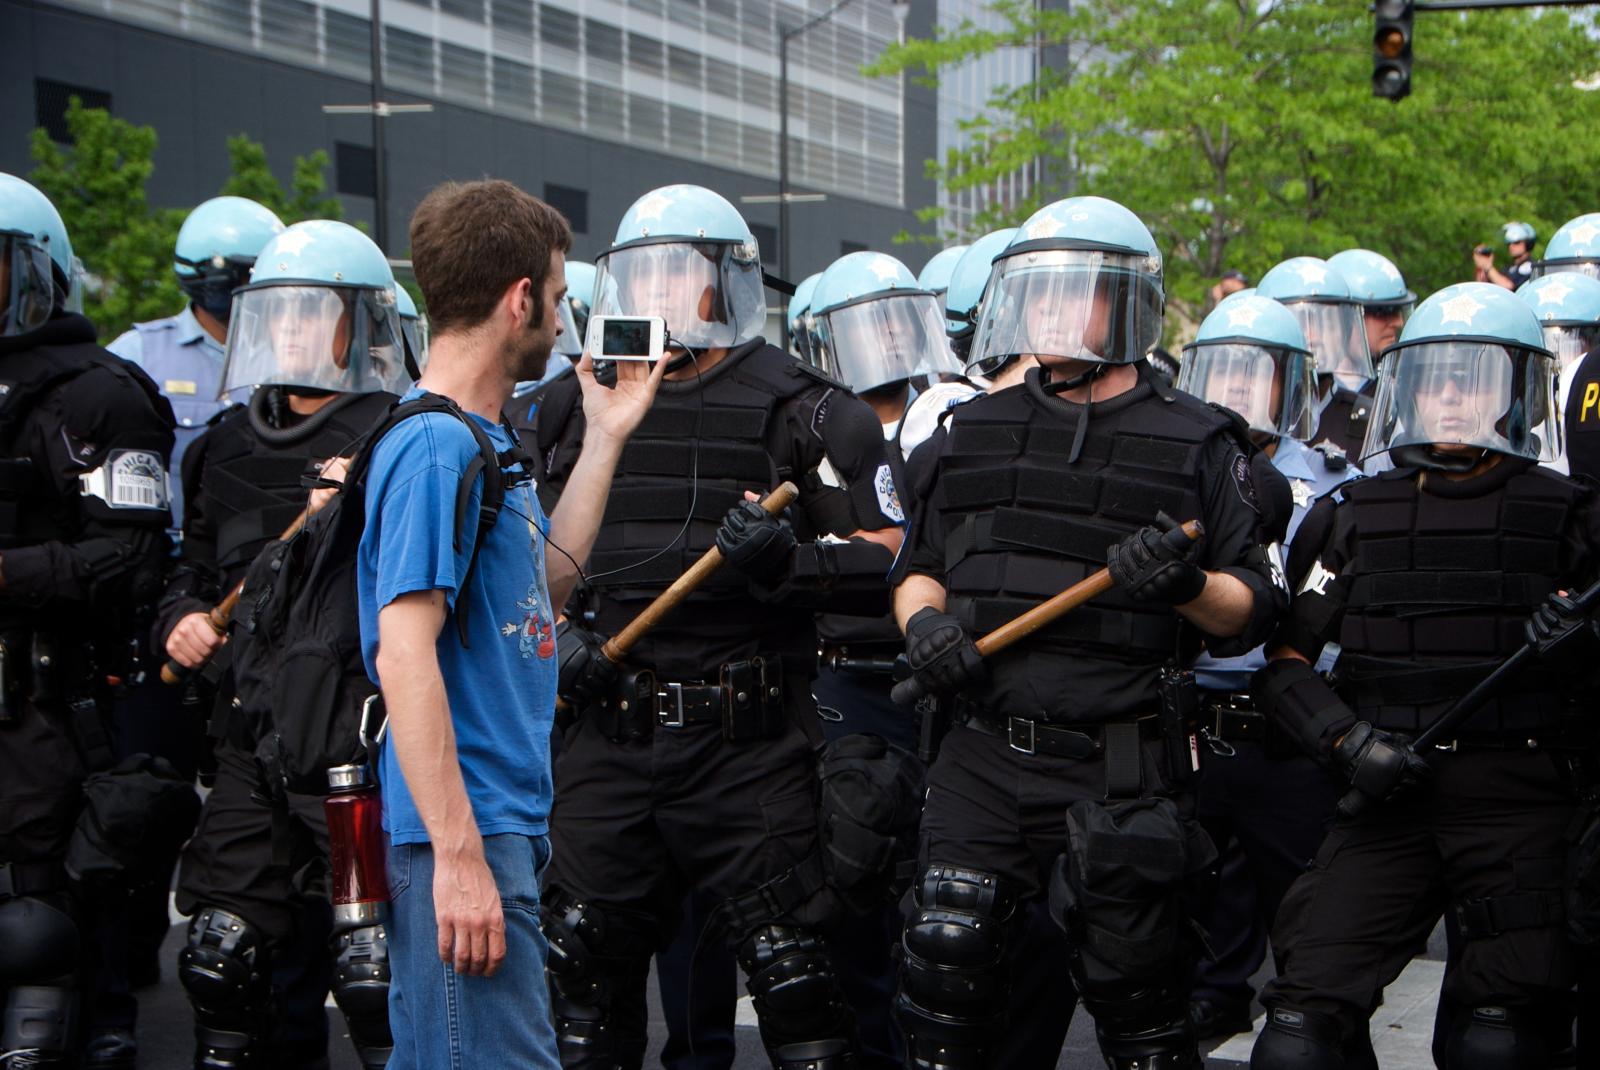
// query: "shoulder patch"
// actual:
[[888, 496], [819, 415], [800, 368], [130, 479], [1244, 483]]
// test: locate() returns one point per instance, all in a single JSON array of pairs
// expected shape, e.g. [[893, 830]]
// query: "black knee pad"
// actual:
[[40, 940], [1497, 1038], [225, 970], [361, 989], [952, 993], [599, 956], [40, 1020], [1296, 1039], [803, 1016]]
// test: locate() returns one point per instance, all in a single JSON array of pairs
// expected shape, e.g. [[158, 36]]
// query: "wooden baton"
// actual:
[[1048, 612]]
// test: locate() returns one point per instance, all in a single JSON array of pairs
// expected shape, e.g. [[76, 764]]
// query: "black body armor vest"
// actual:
[[1022, 525], [1439, 591], [252, 475], [1344, 422], [737, 410]]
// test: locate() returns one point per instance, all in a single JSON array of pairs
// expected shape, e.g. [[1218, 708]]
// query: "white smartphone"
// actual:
[[626, 337]]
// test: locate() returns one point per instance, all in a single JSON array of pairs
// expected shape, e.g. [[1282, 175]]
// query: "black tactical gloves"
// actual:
[[943, 657], [1157, 564], [1560, 630], [755, 542], [584, 674], [1380, 766]]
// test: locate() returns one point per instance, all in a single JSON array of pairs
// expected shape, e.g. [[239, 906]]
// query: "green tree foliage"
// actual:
[[98, 185], [1245, 131], [306, 197]]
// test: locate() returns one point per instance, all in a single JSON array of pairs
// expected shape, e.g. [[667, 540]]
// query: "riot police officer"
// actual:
[[803, 342], [315, 345], [1568, 306], [935, 274], [411, 331], [83, 513], [1380, 290], [1335, 328], [1061, 773], [690, 764], [1265, 805], [1428, 576], [1575, 246]]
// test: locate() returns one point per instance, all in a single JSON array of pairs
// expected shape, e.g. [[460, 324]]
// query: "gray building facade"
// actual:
[[577, 101]]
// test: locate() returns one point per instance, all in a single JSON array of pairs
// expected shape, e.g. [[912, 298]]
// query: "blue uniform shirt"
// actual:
[[502, 688], [186, 363], [1309, 479]]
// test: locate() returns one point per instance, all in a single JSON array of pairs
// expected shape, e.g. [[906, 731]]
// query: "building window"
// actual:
[[50, 105], [355, 169], [570, 202], [848, 247], [767, 241]]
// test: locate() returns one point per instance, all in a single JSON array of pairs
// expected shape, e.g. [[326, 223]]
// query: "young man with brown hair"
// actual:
[[466, 766]]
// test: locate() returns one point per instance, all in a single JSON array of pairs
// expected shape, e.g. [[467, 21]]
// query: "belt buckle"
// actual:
[[1011, 735], [664, 716], [1449, 745]]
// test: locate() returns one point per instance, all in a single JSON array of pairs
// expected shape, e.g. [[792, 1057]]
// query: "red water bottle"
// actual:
[[356, 843]]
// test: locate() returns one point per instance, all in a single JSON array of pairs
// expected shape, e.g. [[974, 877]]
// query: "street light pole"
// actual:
[[380, 175]]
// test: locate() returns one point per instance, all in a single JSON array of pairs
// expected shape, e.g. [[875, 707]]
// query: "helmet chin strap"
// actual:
[[1425, 455], [1085, 378]]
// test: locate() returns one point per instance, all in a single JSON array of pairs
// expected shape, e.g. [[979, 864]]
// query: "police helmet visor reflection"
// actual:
[[569, 343], [1466, 393], [1271, 387], [1076, 304], [710, 293], [887, 339], [1590, 268], [1569, 344], [29, 286], [1336, 332], [336, 338]]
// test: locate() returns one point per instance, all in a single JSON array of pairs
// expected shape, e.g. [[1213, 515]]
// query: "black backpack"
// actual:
[[297, 661]]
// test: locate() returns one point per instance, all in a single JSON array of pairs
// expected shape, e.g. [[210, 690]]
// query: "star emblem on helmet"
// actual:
[[293, 242], [885, 269], [1243, 314], [1459, 309], [1555, 292], [1312, 273], [1046, 226], [651, 205], [1585, 233], [1389, 270]]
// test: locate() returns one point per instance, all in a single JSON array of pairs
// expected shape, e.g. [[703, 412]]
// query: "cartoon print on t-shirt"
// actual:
[[536, 634]]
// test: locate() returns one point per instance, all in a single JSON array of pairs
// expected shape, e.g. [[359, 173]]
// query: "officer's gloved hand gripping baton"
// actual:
[[616, 648], [173, 674], [1538, 646], [1020, 627]]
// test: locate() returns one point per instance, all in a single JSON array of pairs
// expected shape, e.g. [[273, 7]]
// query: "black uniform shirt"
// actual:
[[1092, 686], [1581, 421]]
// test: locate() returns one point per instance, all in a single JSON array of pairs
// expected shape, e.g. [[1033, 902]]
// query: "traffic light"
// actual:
[[1391, 49]]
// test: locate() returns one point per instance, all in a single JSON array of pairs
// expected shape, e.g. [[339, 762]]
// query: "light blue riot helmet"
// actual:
[[879, 328], [1373, 279], [411, 328], [1081, 280], [1332, 320], [1248, 291], [1518, 231], [217, 245], [1250, 355], [1470, 373], [935, 274], [803, 341], [968, 283], [685, 254], [1568, 306], [319, 314], [1574, 247], [580, 296], [35, 257]]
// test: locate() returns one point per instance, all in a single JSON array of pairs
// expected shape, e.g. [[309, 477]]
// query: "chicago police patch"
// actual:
[[888, 496]]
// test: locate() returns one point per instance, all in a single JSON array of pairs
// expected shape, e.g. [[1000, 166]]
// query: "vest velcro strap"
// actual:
[[1068, 536], [745, 463], [1491, 916], [670, 503], [1155, 633], [968, 438], [1489, 589], [635, 571], [969, 488], [1159, 454]]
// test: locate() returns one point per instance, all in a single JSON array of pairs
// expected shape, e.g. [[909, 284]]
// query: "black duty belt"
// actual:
[[1233, 718], [1040, 737], [19, 879], [685, 705]]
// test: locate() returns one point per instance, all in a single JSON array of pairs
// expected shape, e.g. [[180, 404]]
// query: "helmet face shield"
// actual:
[[710, 293], [1336, 331], [337, 338], [569, 343], [26, 284], [1072, 304], [886, 339], [1570, 343], [1271, 387], [1466, 394], [1590, 268]]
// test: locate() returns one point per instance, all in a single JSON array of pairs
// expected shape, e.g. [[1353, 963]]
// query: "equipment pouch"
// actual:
[[1583, 872], [1118, 891], [752, 699], [631, 712], [870, 805], [135, 815], [1180, 712]]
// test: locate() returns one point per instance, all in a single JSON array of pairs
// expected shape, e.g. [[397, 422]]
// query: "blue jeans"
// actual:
[[439, 1017]]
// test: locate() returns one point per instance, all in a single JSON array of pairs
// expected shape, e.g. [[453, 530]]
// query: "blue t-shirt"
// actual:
[[502, 688]]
